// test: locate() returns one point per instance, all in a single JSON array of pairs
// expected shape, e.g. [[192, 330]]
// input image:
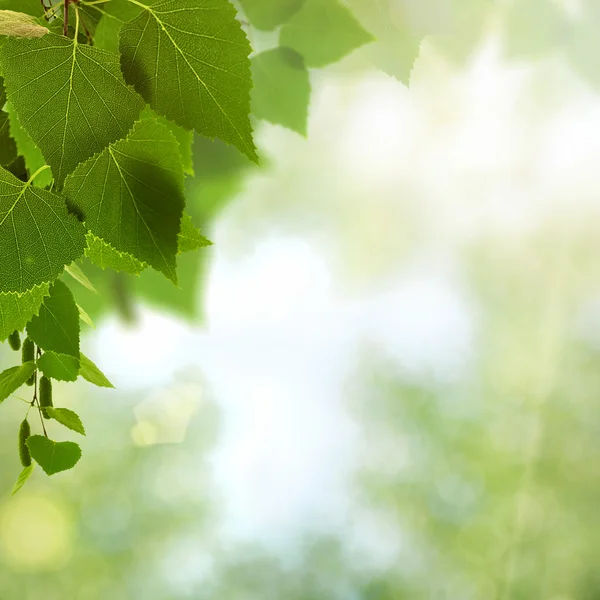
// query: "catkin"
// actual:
[[45, 395], [24, 433], [14, 341], [28, 354]]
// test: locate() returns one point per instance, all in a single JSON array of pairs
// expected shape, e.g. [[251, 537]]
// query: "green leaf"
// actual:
[[71, 98], [74, 270], [190, 238], [17, 309], [183, 136], [18, 24], [23, 478], [114, 15], [189, 60], [93, 374], [85, 317], [38, 237], [12, 379], [131, 195], [56, 328], [53, 457], [62, 367], [323, 32], [67, 418], [106, 257], [31, 7], [269, 14], [281, 91], [396, 47], [34, 159]]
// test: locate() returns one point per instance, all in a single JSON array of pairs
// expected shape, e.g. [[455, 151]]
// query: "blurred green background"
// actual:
[[382, 382]]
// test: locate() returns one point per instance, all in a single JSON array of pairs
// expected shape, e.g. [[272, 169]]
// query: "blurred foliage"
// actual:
[[485, 487]]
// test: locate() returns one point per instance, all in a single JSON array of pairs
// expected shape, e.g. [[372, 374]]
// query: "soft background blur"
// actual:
[[384, 381]]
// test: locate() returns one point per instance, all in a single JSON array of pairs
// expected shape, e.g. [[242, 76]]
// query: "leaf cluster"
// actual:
[[101, 101]]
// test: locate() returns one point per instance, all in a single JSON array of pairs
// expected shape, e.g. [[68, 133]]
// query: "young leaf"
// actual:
[[396, 47], [18, 24], [53, 457], [85, 317], [17, 309], [56, 328], [269, 14], [38, 237], [323, 32], [23, 478], [131, 195], [74, 270], [93, 374], [62, 367], [189, 60], [70, 98], [34, 159], [67, 418], [12, 379], [281, 91], [105, 256], [190, 239]]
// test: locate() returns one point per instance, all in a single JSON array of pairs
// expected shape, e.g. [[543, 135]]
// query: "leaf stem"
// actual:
[[30, 181]]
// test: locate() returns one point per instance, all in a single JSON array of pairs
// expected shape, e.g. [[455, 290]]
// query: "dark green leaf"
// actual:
[[71, 98], [131, 195], [62, 367], [189, 60]]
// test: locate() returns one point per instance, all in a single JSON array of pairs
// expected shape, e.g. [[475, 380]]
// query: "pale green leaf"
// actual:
[[131, 195], [68, 418], [269, 14], [189, 60], [397, 46], [18, 24], [17, 309], [56, 328], [74, 270], [70, 97], [190, 238], [85, 317], [53, 457], [89, 371], [105, 256], [23, 478], [12, 379], [38, 236], [34, 159], [323, 32], [62, 367], [281, 91]]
